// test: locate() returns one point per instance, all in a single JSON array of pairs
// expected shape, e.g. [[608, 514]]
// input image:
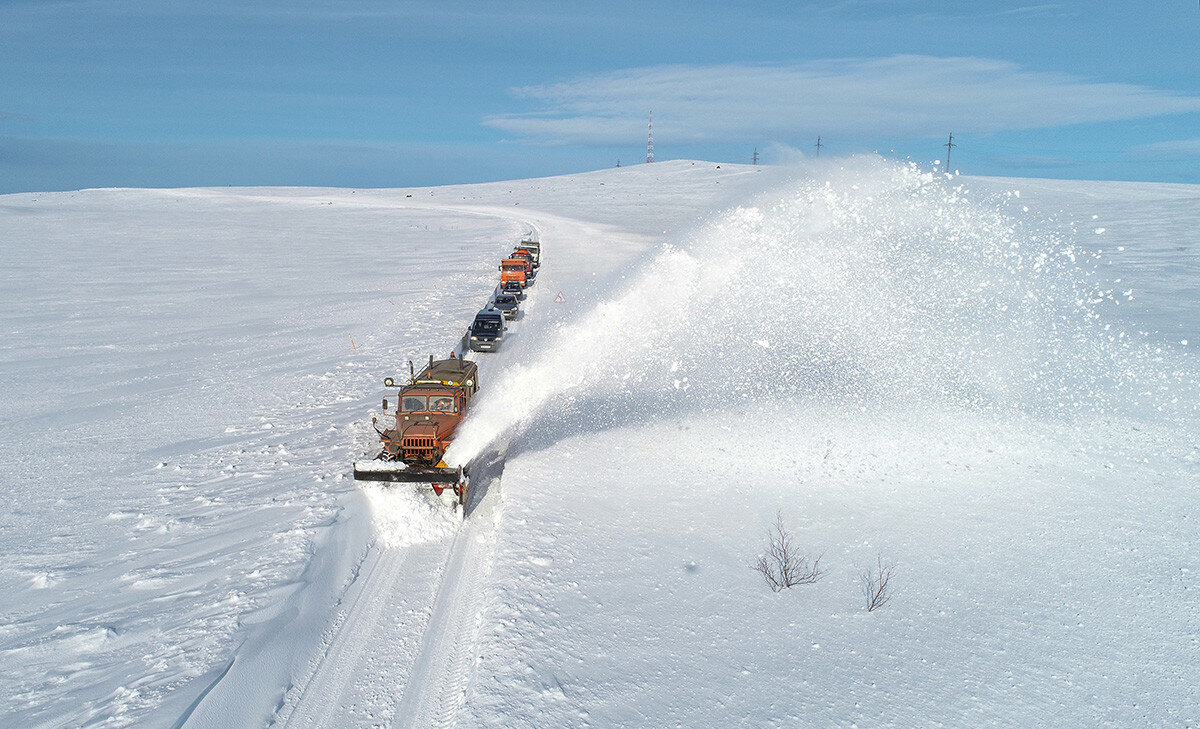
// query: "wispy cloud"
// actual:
[[900, 96], [1033, 10], [923, 9], [1168, 150]]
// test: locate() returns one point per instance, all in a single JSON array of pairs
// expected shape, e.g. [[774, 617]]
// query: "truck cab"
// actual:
[[428, 411], [513, 269], [487, 331]]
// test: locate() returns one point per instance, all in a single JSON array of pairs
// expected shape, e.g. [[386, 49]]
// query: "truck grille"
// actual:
[[420, 450], [417, 442]]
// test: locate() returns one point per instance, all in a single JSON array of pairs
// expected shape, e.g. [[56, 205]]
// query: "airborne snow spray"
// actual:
[[870, 286]]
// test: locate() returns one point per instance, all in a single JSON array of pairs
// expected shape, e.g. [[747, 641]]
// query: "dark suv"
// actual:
[[487, 331], [515, 288], [507, 304]]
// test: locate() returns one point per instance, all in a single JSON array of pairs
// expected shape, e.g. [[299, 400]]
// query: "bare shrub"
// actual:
[[876, 583], [784, 565]]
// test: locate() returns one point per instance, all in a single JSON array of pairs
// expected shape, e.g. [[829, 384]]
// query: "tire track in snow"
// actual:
[[350, 635], [437, 684]]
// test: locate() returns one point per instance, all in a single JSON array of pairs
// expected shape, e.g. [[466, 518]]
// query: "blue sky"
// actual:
[[368, 93]]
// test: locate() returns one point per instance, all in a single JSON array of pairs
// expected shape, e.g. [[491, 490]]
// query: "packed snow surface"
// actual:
[[985, 382]]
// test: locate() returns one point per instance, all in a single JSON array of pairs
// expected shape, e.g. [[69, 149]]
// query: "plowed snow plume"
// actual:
[[868, 285], [403, 517]]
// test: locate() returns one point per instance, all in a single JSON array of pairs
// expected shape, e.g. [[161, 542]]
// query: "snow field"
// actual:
[[862, 349], [1146, 235], [185, 400], [1043, 579], [903, 370]]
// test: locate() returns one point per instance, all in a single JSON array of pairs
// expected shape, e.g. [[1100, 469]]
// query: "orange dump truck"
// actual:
[[526, 256], [513, 269]]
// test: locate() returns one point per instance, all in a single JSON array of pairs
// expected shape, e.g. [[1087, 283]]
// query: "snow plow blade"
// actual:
[[399, 473]]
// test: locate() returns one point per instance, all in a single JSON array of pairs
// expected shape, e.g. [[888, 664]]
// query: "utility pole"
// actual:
[[755, 158], [949, 146], [650, 138], [818, 145]]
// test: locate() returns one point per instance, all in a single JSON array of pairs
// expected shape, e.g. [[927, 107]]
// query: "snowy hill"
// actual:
[[980, 380]]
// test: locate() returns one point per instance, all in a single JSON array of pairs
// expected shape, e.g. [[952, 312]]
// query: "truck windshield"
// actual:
[[489, 325], [412, 404], [442, 404], [514, 267]]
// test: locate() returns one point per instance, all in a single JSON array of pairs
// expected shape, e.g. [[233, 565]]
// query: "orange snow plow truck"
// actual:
[[418, 430], [513, 269]]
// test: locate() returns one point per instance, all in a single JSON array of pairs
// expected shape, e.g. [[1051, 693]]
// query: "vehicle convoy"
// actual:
[[418, 431], [513, 269], [429, 409], [507, 304], [487, 331]]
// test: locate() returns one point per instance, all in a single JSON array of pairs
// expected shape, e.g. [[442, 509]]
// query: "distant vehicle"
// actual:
[[507, 304], [487, 331], [526, 256], [514, 288], [513, 269], [535, 249]]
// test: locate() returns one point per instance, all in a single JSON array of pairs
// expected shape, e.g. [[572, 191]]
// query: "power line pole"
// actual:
[[949, 146], [650, 138], [755, 158], [818, 145]]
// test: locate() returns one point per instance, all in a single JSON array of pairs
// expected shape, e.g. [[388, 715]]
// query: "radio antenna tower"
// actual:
[[650, 138]]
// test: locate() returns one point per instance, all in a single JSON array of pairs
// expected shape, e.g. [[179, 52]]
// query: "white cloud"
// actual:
[[1034, 10], [900, 96], [1168, 150]]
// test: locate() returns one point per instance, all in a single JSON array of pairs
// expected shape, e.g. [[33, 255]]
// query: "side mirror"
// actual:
[[389, 382], [385, 404]]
